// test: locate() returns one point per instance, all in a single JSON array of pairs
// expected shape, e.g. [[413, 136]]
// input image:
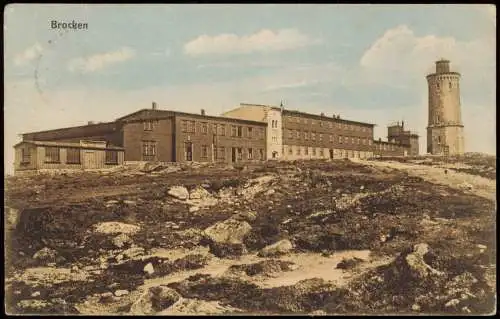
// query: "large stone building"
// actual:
[[251, 132], [445, 127]]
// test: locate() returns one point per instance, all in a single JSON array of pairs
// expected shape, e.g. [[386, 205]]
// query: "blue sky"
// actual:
[[366, 62]]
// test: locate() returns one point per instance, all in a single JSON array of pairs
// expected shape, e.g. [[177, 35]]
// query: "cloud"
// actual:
[[28, 55], [100, 61], [262, 41], [399, 52]]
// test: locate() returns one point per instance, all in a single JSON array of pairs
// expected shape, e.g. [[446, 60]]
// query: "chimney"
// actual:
[[402, 124], [338, 116], [90, 122], [154, 106], [202, 112], [380, 139], [322, 114]]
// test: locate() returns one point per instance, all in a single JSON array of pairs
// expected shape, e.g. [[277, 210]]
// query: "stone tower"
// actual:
[[445, 128]]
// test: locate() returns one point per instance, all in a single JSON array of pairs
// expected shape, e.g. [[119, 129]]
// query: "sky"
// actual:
[[365, 62]]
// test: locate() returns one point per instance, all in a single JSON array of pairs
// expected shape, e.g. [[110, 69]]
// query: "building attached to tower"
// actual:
[[445, 127]]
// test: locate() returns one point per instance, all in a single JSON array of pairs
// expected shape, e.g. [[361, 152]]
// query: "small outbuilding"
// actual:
[[52, 155]]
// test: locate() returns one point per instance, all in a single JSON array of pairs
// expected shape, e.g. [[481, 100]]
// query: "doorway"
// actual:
[[189, 151], [89, 160], [233, 154]]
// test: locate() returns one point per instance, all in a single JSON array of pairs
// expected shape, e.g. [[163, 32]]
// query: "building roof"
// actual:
[[97, 126], [69, 145], [324, 117], [167, 113]]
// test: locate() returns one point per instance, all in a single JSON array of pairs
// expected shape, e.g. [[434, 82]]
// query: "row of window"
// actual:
[[386, 147], [306, 151], [220, 129], [341, 139], [317, 150], [330, 124], [220, 153], [73, 156]]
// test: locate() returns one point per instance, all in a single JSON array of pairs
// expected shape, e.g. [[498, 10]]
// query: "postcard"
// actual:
[[260, 159]]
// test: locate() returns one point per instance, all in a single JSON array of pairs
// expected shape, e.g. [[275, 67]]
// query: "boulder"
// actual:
[[155, 299], [121, 240], [46, 255], [279, 248], [230, 231], [179, 192], [148, 269], [121, 292], [417, 264], [199, 193]]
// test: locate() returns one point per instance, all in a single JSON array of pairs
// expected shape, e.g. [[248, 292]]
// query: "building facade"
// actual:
[[50, 155], [398, 134], [267, 114], [311, 136], [251, 132], [445, 127]]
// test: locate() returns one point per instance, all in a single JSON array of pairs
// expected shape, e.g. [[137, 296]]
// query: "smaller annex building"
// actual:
[[49, 155]]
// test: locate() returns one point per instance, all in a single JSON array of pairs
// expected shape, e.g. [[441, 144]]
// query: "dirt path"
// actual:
[[479, 186], [308, 265]]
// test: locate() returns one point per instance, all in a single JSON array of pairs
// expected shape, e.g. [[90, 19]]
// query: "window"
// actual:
[[204, 151], [312, 122], [239, 154], [321, 123], [222, 129], [298, 150], [321, 152], [240, 131], [261, 153], [204, 128], [313, 136], [314, 151], [234, 131], [290, 133], [214, 129], [52, 155], [188, 126], [340, 139], [148, 125], [274, 139], [437, 86], [306, 151], [290, 151], [358, 140], [439, 139], [320, 137], [346, 139], [111, 157], [73, 156], [250, 153], [297, 134], [364, 141], [352, 140], [306, 135], [250, 132], [221, 153], [148, 149], [25, 155]]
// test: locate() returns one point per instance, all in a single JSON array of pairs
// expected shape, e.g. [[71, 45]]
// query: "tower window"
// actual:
[[450, 85], [437, 86]]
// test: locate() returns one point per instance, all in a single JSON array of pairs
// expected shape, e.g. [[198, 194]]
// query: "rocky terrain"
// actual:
[[406, 236]]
